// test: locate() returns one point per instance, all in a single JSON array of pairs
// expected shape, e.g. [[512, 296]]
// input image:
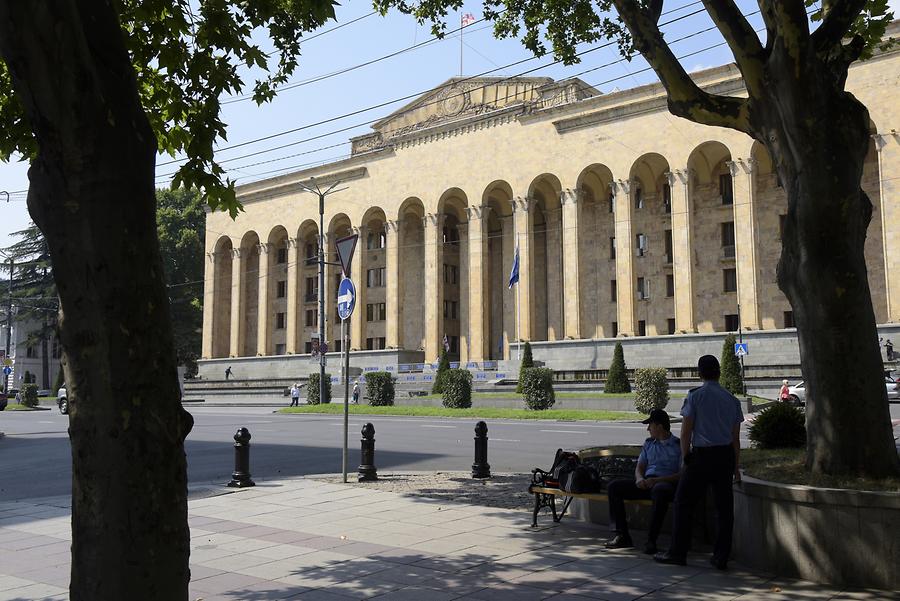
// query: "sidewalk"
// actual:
[[312, 540]]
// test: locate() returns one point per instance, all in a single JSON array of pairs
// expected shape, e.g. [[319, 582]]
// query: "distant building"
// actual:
[[26, 357]]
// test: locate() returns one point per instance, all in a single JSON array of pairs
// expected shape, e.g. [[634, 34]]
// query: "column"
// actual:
[[262, 311], [888, 148], [524, 237], [478, 285], [237, 302], [330, 316], [358, 275], [625, 282], [682, 266], [571, 215], [392, 285], [434, 287], [745, 241], [295, 261], [209, 302]]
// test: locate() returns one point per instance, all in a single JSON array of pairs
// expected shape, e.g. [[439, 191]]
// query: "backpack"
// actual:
[[582, 479], [563, 463]]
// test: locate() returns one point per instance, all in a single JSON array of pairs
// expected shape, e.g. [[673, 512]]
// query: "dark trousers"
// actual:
[[621, 490], [706, 466], [295, 401]]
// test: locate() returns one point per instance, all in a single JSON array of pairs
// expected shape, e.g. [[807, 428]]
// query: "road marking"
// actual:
[[431, 426], [45, 422], [565, 431], [504, 440]]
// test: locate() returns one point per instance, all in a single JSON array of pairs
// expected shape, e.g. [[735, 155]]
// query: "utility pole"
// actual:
[[313, 188], [9, 320]]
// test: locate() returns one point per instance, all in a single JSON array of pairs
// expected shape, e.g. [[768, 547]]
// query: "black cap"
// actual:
[[657, 416]]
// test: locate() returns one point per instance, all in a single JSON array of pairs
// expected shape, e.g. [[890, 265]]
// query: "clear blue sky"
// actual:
[[409, 73]]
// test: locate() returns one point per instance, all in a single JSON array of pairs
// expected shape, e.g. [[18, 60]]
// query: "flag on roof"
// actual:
[[467, 19]]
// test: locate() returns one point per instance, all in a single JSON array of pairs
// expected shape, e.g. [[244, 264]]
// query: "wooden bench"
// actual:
[[610, 463]]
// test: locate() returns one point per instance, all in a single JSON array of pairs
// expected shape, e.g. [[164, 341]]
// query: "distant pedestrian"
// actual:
[[710, 447], [889, 350], [784, 394], [356, 392], [295, 395], [227, 372]]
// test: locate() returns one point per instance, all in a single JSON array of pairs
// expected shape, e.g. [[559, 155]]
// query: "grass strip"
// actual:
[[480, 412], [19, 407]]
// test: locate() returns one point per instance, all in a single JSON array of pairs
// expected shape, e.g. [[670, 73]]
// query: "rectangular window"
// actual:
[[725, 189], [375, 240], [312, 289], [728, 239], [615, 329], [376, 312], [729, 280], [731, 322], [789, 319], [282, 256], [336, 346], [307, 348], [643, 289], [280, 349], [668, 246], [642, 328], [670, 285], [454, 344], [612, 291], [375, 277], [56, 349], [281, 289], [671, 323], [451, 274], [280, 320], [375, 344], [312, 254], [311, 318], [638, 197], [641, 242], [612, 247], [667, 198]]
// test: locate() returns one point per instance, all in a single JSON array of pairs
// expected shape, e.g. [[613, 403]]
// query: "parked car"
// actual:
[[4, 400], [797, 392], [62, 400]]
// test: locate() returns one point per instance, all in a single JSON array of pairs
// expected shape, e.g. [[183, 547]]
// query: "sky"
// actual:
[[412, 72]]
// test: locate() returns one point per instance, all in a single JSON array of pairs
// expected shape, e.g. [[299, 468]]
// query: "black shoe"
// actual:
[[670, 559], [619, 541], [719, 564], [650, 548]]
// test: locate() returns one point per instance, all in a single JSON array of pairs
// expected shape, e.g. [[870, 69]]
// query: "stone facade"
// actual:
[[628, 222]]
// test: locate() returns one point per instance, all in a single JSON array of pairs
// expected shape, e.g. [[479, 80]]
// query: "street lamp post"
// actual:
[[9, 319]]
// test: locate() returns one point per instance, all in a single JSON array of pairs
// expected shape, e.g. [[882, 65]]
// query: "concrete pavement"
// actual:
[[307, 539]]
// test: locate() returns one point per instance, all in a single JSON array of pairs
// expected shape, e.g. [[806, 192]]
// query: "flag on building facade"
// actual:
[[514, 274], [467, 19], [446, 343]]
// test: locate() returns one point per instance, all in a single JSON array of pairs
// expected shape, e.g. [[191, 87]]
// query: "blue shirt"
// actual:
[[715, 412], [662, 457]]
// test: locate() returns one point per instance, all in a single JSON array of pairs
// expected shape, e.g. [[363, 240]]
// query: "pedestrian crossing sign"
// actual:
[[740, 349]]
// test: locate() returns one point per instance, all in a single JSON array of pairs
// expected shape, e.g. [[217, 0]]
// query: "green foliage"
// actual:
[[312, 389], [526, 363], [181, 227], [458, 389], [617, 379], [651, 389], [60, 380], [29, 395], [778, 426], [380, 388], [537, 388], [440, 377], [731, 369]]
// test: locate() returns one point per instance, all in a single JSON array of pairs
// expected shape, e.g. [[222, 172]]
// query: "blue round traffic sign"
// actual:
[[346, 298], [7, 370]]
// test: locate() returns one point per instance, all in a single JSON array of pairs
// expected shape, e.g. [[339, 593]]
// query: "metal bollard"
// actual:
[[367, 470], [481, 468], [240, 478]]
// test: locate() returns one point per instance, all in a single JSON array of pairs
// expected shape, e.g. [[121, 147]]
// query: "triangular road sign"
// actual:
[[345, 248]]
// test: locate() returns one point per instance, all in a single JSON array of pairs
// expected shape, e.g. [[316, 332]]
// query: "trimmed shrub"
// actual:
[[537, 388], [527, 363], [380, 389], [29, 395], [778, 426], [617, 379], [457, 389], [731, 369], [651, 389], [439, 379], [312, 389]]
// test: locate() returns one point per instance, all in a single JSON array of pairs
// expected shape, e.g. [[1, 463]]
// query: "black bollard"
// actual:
[[367, 470], [241, 476], [481, 468]]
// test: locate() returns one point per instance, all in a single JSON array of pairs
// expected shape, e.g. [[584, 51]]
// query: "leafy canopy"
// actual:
[[186, 55]]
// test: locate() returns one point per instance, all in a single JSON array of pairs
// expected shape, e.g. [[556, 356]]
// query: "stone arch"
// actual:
[[249, 294], [222, 292], [411, 259], [711, 208], [307, 257], [339, 227], [453, 272], [596, 251], [369, 326], [276, 254], [498, 248], [545, 229]]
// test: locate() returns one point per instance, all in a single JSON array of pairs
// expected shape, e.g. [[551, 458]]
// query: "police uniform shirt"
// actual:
[[715, 412], [662, 457]]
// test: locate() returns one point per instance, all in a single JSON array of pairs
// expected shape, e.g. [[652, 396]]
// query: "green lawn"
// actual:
[[18, 407], [481, 412], [787, 467]]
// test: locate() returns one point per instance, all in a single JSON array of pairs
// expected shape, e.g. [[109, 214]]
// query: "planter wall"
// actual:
[[832, 536]]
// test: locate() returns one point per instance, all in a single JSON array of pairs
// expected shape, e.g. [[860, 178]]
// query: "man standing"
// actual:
[[356, 392], [295, 395], [655, 477], [889, 350], [227, 372], [710, 447]]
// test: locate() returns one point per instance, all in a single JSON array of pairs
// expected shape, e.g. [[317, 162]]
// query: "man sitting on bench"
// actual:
[[656, 478]]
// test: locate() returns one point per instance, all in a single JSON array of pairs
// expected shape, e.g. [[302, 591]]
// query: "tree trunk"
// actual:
[[818, 136], [92, 195]]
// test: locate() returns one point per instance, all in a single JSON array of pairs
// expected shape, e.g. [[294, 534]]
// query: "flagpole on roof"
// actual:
[[461, 27]]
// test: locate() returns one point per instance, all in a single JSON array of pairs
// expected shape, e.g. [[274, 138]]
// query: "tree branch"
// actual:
[[743, 41], [685, 98], [839, 16]]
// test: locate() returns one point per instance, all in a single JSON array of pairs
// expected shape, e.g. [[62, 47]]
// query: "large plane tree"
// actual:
[[91, 92], [817, 134]]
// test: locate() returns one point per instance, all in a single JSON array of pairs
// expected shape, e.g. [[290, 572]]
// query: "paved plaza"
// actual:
[[316, 540]]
